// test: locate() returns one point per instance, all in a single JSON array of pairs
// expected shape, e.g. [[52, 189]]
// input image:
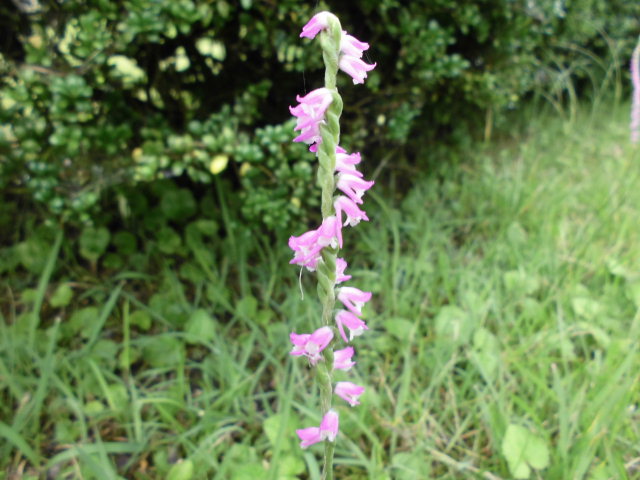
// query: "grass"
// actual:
[[506, 309]]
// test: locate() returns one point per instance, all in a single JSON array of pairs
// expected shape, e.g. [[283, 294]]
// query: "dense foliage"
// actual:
[[107, 94]]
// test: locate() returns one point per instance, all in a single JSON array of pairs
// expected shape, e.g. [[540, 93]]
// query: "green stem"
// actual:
[[327, 467], [330, 132]]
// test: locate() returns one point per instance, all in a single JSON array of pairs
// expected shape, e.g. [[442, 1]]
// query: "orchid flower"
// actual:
[[355, 325], [310, 113], [351, 49], [353, 298], [310, 345], [317, 123], [328, 430], [351, 210], [319, 22], [342, 359], [329, 425], [353, 186], [307, 247], [346, 163], [341, 265], [349, 391]]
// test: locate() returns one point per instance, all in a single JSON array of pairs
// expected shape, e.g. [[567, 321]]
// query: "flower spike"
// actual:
[[318, 125]]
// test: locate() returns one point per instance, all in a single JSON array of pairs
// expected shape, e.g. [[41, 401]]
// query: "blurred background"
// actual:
[[148, 186]]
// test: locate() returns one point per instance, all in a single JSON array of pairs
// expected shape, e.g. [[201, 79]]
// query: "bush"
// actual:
[[105, 94]]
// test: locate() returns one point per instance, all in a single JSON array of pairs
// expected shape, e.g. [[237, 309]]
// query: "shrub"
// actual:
[[101, 94]]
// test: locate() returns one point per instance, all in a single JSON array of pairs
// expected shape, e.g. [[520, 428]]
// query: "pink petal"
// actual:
[[353, 186], [347, 163], [342, 359], [353, 298], [355, 325], [319, 22], [309, 436], [329, 425], [341, 265], [348, 206], [299, 342], [352, 46], [355, 67], [321, 337], [349, 392]]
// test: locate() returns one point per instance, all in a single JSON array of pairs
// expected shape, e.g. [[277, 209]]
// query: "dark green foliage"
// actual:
[[104, 93]]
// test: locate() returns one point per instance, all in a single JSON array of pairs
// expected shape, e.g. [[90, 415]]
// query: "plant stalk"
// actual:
[[330, 132]]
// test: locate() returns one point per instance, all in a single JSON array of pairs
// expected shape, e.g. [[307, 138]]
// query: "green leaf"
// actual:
[[183, 470], [94, 407], [200, 328], [168, 240], [410, 465], [125, 242], [454, 324], [617, 268], [81, 322], [516, 233], [272, 426], [250, 471], [178, 204], [632, 290], [126, 68], [523, 450], [247, 307], [62, 296], [32, 255], [93, 242], [486, 353], [401, 328], [586, 308], [291, 466], [598, 334], [163, 351], [520, 283], [140, 319]]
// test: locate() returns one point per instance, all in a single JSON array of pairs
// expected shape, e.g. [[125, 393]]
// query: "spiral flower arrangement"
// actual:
[[318, 125]]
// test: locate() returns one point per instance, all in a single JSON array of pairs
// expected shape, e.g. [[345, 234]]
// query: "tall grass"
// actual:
[[507, 293]]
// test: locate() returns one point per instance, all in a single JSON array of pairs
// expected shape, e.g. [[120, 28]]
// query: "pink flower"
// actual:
[[353, 298], [348, 206], [310, 114], [310, 345], [328, 430], [329, 426], [350, 62], [319, 22], [355, 67], [341, 265], [331, 232], [309, 436], [342, 359], [346, 163], [355, 325], [353, 186], [349, 391], [352, 46], [307, 247]]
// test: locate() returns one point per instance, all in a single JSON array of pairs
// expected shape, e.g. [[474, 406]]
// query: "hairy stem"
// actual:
[[330, 132]]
